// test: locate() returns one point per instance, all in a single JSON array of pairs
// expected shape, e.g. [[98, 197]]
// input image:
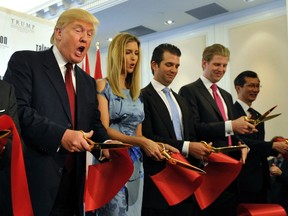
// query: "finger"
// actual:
[[87, 148], [156, 158], [74, 149], [159, 156], [172, 149], [84, 134], [87, 134], [209, 153], [106, 153]]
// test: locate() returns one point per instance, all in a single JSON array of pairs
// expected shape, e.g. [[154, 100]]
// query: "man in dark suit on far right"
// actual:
[[247, 85]]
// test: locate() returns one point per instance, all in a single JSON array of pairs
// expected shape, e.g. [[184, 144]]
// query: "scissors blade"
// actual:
[[185, 165], [99, 146], [265, 114], [111, 146], [228, 148], [4, 133], [268, 118], [176, 162]]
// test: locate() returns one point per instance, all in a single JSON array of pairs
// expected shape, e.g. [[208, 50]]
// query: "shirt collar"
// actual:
[[59, 58], [206, 82], [158, 86], [243, 105]]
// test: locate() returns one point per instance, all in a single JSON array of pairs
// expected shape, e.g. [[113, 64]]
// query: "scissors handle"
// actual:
[[4, 133], [180, 163], [225, 148], [100, 146], [251, 121]]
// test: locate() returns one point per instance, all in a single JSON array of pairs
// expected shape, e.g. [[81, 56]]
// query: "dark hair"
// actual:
[[240, 79], [157, 55]]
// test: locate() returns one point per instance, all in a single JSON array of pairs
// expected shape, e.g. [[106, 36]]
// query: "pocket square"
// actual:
[[3, 110]]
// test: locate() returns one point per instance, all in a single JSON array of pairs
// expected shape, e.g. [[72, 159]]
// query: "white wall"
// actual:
[[257, 39]]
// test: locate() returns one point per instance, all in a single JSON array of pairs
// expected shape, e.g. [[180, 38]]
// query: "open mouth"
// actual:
[[80, 50]]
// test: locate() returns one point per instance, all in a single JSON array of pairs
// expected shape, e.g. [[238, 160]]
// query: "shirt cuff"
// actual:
[[185, 149], [228, 128]]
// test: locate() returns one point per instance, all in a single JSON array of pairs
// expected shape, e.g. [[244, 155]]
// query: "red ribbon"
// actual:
[[221, 171], [281, 139], [177, 183], [106, 179], [260, 210], [21, 202]]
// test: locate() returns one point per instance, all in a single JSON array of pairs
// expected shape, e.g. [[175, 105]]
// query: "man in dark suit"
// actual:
[[8, 106], [212, 125], [247, 85], [56, 149], [158, 126], [279, 178]]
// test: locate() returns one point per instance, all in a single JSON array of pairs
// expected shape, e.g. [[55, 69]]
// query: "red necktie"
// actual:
[[220, 106], [70, 91]]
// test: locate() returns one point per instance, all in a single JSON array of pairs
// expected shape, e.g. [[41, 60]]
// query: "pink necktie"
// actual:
[[220, 106], [70, 91]]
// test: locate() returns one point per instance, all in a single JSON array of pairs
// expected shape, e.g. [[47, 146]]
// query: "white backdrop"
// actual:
[[19, 31]]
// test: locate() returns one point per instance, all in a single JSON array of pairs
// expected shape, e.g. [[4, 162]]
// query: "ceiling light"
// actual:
[[169, 22], [248, 0], [58, 6]]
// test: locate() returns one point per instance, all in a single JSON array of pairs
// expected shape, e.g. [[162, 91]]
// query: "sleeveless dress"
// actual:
[[125, 116]]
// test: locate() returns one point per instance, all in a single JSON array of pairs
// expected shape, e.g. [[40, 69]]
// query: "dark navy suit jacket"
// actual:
[[256, 165], [209, 123], [158, 126], [44, 116]]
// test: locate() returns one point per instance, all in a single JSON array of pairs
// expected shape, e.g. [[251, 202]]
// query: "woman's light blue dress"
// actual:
[[125, 116]]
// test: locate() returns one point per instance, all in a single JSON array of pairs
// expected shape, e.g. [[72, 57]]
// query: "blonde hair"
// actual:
[[215, 49], [72, 15], [116, 64]]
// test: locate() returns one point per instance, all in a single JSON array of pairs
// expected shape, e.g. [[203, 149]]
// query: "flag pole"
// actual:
[[98, 72], [97, 46]]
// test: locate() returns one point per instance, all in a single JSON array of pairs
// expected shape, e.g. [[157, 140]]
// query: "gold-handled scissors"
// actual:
[[225, 148], [4, 133], [177, 162], [99, 146], [263, 117]]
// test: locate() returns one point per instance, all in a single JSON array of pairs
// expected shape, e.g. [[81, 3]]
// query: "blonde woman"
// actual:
[[122, 113]]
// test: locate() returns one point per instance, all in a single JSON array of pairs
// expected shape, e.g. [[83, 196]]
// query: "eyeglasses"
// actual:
[[253, 86]]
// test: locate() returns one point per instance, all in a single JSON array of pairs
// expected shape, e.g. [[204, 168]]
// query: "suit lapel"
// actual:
[[240, 109], [161, 109], [184, 111], [208, 97], [80, 93], [227, 101], [53, 72]]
